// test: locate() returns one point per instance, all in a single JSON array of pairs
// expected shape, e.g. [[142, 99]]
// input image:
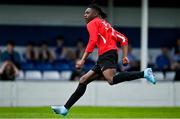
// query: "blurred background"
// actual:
[[40, 42]]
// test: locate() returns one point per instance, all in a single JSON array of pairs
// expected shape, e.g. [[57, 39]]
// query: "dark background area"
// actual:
[[22, 34]]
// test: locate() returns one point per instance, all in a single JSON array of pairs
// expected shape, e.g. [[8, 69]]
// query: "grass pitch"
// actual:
[[92, 112]]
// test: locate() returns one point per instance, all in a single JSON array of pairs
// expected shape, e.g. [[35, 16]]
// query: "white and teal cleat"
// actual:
[[60, 110], [148, 74]]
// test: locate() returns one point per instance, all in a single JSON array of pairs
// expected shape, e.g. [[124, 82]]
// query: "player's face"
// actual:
[[89, 14]]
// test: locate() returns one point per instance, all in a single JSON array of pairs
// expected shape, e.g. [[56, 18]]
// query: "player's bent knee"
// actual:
[[83, 80], [110, 81]]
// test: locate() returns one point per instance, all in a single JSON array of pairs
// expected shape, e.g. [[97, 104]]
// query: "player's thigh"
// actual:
[[88, 77], [109, 73]]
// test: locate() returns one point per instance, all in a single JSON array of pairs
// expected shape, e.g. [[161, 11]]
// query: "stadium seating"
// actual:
[[20, 76], [43, 66], [65, 67], [62, 67], [170, 75], [33, 75], [51, 75], [66, 75], [159, 75], [27, 66]]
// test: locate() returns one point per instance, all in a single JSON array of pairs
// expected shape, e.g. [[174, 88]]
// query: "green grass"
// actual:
[[92, 112]]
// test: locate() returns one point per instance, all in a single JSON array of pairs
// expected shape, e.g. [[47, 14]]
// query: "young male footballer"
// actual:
[[104, 37]]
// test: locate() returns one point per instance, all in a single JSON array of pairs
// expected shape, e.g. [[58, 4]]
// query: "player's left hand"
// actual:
[[125, 61]]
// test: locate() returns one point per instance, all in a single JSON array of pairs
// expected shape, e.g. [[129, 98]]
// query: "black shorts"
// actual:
[[106, 61]]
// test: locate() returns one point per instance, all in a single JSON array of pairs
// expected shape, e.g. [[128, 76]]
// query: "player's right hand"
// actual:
[[79, 64]]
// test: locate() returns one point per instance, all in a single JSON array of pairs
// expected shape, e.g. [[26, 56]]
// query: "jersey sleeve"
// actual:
[[93, 36], [122, 39]]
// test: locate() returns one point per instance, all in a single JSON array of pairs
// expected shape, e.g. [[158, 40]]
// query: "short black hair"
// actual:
[[98, 9]]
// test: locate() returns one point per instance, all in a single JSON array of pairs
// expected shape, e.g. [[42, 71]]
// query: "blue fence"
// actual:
[[22, 34]]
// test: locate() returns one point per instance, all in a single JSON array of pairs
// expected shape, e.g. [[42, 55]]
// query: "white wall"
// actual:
[[97, 94], [69, 15], [158, 17], [41, 15]]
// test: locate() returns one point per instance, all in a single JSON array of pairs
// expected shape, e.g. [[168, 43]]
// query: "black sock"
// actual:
[[76, 95], [127, 76]]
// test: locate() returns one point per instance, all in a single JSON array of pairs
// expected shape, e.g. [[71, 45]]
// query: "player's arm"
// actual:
[[123, 40], [125, 60], [93, 36]]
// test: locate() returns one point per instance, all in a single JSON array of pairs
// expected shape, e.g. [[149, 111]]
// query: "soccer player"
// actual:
[[102, 35]]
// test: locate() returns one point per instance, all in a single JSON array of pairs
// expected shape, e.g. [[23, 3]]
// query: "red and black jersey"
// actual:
[[102, 35]]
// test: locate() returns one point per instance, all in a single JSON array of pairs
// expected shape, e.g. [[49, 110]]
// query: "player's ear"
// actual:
[[95, 13]]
